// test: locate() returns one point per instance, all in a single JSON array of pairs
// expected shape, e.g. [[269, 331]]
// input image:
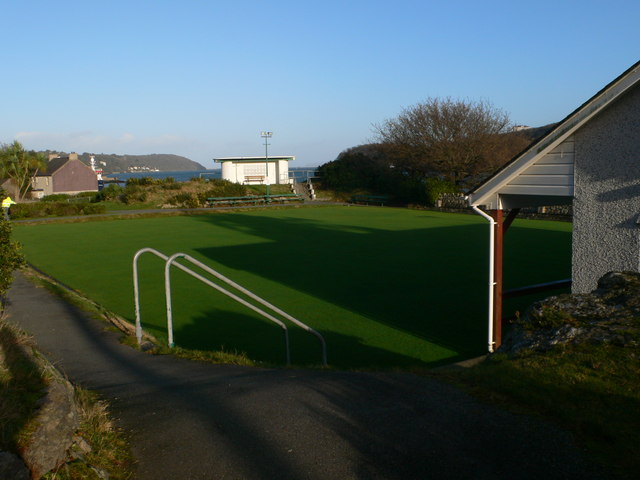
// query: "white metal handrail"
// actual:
[[172, 261], [136, 286]]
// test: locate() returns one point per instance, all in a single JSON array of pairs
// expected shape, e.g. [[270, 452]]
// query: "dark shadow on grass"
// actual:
[[236, 333], [429, 282]]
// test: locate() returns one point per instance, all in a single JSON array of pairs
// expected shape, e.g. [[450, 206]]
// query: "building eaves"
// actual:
[[563, 129]]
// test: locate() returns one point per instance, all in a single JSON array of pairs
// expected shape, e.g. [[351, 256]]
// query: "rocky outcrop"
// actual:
[[609, 314], [57, 420], [46, 437]]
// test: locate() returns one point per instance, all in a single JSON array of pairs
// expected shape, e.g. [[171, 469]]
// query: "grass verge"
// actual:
[[24, 375], [105, 452], [591, 390]]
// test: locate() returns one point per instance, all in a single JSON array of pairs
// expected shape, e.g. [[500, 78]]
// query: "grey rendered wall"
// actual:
[[607, 193]]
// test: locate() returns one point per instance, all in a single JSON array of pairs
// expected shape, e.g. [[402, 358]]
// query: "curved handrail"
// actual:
[[171, 261], [167, 285], [250, 294]]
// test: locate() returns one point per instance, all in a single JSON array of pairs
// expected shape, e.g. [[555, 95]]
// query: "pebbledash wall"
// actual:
[[606, 205]]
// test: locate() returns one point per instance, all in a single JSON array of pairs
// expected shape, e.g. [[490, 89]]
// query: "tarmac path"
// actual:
[[191, 420]]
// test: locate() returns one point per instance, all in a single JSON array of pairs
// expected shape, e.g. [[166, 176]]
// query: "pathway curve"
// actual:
[[190, 420]]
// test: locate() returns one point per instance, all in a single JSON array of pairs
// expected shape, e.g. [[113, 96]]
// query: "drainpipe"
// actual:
[[492, 282]]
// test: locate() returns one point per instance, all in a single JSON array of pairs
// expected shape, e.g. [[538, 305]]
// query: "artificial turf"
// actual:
[[386, 287]]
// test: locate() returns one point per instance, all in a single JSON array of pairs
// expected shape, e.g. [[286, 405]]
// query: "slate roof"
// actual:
[[53, 166]]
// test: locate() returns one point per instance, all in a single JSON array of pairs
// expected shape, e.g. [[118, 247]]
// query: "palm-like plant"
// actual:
[[20, 165]]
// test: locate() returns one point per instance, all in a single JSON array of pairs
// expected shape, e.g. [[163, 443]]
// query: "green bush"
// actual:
[[171, 186], [86, 194], [110, 192], [141, 181], [224, 188], [54, 209], [10, 258], [185, 200], [56, 197], [133, 194], [435, 187]]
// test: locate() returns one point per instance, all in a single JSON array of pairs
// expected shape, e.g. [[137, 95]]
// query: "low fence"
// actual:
[[457, 202]]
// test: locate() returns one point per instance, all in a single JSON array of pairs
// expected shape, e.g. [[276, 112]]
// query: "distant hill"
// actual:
[[160, 161], [122, 163], [534, 133]]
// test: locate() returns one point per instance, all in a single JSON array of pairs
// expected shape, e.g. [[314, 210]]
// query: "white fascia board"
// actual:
[[272, 158], [487, 192]]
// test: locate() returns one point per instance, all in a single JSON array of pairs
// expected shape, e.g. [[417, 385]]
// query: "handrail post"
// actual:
[[136, 287]]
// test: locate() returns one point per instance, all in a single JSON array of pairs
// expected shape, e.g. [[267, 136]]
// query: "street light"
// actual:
[[266, 136]]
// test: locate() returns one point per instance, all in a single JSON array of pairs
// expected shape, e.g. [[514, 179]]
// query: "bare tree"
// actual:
[[448, 137]]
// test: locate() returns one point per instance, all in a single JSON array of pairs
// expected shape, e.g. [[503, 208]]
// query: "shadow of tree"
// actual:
[[21, 387], [409, 280], [259, 340], [427, 282]]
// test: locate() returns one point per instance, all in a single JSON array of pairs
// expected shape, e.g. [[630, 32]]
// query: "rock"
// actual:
[[609, 314], [57, 421], [12, 467], [79, 448]]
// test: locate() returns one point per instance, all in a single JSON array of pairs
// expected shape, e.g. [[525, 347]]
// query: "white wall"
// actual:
[[238, 171]]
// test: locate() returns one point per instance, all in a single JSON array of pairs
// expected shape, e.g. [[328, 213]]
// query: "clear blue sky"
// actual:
[[203, 78]]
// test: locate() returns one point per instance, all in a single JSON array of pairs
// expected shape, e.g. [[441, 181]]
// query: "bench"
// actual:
[[254, 199], [367, 199], [254, 178], [235, 200]]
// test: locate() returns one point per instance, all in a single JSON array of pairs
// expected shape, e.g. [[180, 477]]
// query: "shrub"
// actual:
[[185, 200], [225, 188], [56, 197], [86, 194], [132, 194], [171, 186], [435, 187], [141, 181], [110, 192], [54, 209], [10, 259]]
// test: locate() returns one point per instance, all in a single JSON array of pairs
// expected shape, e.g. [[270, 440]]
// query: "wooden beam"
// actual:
[[509, 220]]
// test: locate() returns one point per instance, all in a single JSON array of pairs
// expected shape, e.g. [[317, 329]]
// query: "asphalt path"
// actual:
[[190, 420]]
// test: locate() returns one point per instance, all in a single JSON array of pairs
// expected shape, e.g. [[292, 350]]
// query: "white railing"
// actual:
[[169, 261]]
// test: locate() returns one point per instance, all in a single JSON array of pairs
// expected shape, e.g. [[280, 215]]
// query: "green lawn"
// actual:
[[386, 287]]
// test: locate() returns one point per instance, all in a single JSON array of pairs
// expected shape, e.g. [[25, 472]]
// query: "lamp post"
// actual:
[[266, 136]]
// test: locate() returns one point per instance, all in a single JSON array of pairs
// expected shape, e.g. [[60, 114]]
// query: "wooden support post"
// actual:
[[513, 213], [497, 272]]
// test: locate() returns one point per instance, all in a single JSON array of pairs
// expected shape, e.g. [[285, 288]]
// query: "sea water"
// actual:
[[299, 173]]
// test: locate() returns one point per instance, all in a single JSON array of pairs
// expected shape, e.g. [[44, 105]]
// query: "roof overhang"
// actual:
[[489, 193], [254, 159]]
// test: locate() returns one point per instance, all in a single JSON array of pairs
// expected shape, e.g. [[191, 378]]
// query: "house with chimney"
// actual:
[[64, 174]]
